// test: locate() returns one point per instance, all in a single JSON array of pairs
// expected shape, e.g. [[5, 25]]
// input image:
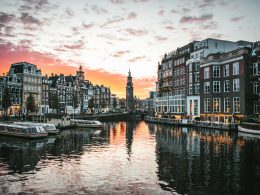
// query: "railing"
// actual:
[[189, 122]]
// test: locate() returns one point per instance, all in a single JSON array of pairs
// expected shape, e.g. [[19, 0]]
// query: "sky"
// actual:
[[109, 37]]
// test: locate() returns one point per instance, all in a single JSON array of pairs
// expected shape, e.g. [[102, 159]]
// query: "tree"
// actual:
[[91, 104], [6, 100], [114, 103], [30, 104], [55, 102]]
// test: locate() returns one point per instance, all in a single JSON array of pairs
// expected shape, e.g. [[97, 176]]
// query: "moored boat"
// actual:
[[249, 129], [49, 128], [86, 123], [25, 131]]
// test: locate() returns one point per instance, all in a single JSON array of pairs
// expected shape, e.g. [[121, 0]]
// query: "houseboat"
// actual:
[[86, 123], [49, 128], [22, 131]]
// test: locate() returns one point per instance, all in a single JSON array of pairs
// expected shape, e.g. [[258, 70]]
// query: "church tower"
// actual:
[[80, 74], [129, 93]]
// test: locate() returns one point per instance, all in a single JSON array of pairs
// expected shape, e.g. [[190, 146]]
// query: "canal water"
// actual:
[[132, 158]]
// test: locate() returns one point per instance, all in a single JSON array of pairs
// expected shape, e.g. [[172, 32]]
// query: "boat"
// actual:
[[49, 128], [22, 131], [86, 123], [247, 130]]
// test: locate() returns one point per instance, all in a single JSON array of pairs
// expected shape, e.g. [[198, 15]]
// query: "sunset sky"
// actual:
[[107, 37]]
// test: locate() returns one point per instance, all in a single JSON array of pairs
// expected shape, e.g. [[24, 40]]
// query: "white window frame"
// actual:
[[216, 83], [236, 100], [236, 68], [207, 87], [236, 84], [226, 104], [206, 73], [216, 71], [207, 105], [226, 70], [226, 85], [219, 104], [256, 88]]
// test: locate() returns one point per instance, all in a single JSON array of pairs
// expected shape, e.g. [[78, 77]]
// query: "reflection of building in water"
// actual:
[[194, 161], [21, 155], [130, 126]]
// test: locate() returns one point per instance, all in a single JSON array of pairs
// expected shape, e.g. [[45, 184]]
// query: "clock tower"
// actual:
[[129, 93]]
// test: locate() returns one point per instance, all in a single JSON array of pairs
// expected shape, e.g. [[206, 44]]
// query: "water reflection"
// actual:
[[132, 157], [192, 161]]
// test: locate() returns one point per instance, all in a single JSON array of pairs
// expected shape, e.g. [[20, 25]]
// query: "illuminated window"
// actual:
[[236, 104], [206, 105], [226, 105], [216, 104]]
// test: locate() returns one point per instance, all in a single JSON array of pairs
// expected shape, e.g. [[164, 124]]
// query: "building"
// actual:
[[45, 95], [129, 93], [255, 72], [224, 81], [114, 102], [31, 79], [172, 82], [203, 49]]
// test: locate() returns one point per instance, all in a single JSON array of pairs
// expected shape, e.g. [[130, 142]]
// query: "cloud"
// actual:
[[237, 19], [75, 46], [212, 25], [112, 37], [206, 3], [114, 20], [185, 10], [98, 10], [169, 28], [37, 6], [135, 59], [160, 38], [131, 15], [6, 18], [26, 19], [217, 36], [173, 11], [135, 32], [69, 12], [87, 26], [161, 12], [117, 1], [119, 54], [194, 19]]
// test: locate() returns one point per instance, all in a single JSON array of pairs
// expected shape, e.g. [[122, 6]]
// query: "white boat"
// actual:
[[86, 123], [49, 128], [23, 131], [246, 130]]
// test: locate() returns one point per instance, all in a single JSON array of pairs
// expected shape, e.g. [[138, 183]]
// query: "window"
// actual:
[[197, 88], [255, 88], [226, 105], [236, 68], [216, 86], [236, 85], [206, 73], [196, 77], [197, 66], [190, 77], [226, 70], [236, 104], [190, 89], [206, 105], [190, 67], [255, 69], [226, 86], [207, 87], [256, 107], [195, 107], [216, 71], [216, 104]]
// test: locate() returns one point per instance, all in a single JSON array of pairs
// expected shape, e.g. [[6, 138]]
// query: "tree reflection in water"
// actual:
[[201, 161]]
